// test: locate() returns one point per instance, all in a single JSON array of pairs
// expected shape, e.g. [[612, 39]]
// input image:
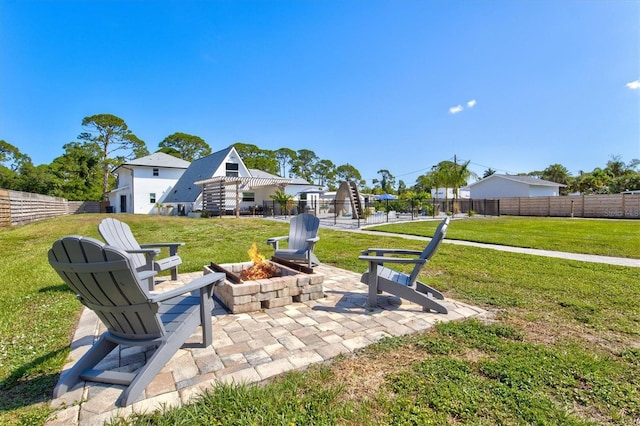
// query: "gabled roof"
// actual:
[[159, 159], [293, 181], [185, 190], [528, 180]]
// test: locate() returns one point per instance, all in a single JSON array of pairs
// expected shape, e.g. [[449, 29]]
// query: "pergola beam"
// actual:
[[251, 182]]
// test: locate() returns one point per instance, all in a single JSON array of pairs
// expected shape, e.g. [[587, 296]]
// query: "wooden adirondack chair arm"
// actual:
[[313, 240], [275, 240], [149, 255], [146, 274], [173, 247], [196, 284], [382, 259], [145, 251], [383, 251]]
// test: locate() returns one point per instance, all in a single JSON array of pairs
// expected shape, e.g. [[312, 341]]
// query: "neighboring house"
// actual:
[[448, 193], [143, 183], [497, 186], [221, 181], [298, 188]]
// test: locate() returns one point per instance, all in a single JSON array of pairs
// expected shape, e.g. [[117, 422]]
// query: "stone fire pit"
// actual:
[[248, 296]]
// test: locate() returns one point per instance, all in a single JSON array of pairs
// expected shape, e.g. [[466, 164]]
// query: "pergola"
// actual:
[[214, 189]]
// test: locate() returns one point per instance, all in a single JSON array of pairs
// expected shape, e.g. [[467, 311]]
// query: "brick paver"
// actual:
[[251, 347]]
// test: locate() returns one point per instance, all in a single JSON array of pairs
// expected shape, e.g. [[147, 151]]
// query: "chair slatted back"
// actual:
[[117, 233], [105, 281], [431, 248], [301, 228]]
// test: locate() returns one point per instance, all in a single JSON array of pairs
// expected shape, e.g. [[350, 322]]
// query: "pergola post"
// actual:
[[237, 199]]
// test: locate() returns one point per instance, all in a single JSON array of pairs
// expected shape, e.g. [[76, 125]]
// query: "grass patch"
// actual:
[[606, 237], [496, 377], [564, 350]]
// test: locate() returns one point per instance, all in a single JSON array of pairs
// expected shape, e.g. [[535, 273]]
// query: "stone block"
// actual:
[[239, 300], [304, 297], [312, 288], [316, 279], [245, 307], [294, 291], [283, 293], [316, 295], [277, 302], [303, 280], [266, 296], [272, 284], [245, 288]]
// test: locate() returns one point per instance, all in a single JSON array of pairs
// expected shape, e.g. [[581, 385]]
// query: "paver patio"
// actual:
[[250, 347]]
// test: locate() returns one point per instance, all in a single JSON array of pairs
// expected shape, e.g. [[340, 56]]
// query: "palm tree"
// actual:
[[285, 200], [488, 173], [454, 175], [556, 173]]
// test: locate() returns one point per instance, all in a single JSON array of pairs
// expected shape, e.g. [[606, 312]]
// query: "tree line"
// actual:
[[83, 171]]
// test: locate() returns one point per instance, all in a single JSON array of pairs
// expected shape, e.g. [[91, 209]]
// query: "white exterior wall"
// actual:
[[146, 183], [496, 188], [441, 192], [125, 181], [543, 191]]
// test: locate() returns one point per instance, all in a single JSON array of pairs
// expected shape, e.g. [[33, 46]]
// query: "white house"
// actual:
[[144, 182], [448, 193], [497, 186], [221, 181]]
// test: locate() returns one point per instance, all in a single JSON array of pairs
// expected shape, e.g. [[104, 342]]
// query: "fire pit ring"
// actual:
[[292, 286]]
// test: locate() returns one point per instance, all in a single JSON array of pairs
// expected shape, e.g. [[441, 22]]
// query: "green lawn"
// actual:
[[606, 237], [564, 347]]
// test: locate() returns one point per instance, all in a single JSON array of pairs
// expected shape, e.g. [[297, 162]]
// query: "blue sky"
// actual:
[[397, 85]]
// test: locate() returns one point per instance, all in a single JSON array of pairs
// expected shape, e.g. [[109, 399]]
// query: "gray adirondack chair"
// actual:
[[303, 235], [118, 234], [106, 281], [381, 278]]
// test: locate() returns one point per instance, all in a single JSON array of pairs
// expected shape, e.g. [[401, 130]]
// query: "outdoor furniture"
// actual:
[[106, 281], [119, 234], [381, 278], [303, 235]]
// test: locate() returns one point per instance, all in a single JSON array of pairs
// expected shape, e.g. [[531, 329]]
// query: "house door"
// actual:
[[123, 204]]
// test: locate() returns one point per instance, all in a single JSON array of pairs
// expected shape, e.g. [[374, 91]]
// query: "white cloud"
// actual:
[[455, 109], [634, 85], [471, 103]]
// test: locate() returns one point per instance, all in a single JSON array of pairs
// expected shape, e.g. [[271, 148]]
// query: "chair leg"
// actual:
[[372, 300], [412, 295], [160, 357], [429, 291], [98, 351], [206, 306]]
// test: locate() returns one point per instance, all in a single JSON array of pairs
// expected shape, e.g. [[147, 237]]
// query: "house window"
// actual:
[[232, 169], [249, 196], [156, 172], [152, 198]]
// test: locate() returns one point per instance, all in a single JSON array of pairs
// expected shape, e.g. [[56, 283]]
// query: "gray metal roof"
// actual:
[[158, 159], [185, 190], [522, 179], [252, 182], [292, 181]]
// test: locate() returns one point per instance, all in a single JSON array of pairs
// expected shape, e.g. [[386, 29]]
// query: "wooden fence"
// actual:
[[19, 208], [617, 206]]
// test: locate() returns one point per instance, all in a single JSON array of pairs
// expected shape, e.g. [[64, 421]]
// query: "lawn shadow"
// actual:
[[60, 288], [357, 303], [18, 391]]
